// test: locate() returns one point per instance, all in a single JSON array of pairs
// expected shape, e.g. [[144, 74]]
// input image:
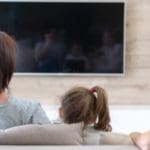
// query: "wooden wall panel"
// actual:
[[133, 88]]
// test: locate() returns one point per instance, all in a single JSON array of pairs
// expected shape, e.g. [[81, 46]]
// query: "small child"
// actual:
[[86, 105], [90, 106]]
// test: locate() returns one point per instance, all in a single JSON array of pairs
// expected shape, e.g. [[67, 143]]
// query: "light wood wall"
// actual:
[[133, 88]]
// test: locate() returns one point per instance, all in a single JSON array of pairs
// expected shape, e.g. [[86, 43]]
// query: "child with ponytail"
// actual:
[[90, 106], [85, 105]]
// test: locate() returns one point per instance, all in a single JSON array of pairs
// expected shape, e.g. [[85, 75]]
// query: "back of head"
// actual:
[[89, 106], [7, 59]]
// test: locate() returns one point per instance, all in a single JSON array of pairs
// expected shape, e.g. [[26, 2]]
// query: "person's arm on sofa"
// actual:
[[142, 140]]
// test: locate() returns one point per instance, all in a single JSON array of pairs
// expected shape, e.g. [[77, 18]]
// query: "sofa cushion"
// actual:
[[95, 137], [50, 134], [110, 138], [71, 147]]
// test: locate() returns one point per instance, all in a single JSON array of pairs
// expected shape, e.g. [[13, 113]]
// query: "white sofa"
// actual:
[[104, 147], [62, 137]]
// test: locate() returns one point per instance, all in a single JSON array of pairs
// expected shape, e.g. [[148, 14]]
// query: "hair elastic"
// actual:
[[92, 90]]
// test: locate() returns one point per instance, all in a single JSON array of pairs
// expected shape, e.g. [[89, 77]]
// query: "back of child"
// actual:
[[90, 106], [85, 105]]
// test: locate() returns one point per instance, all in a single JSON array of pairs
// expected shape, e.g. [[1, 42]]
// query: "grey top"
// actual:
[[19, 112]]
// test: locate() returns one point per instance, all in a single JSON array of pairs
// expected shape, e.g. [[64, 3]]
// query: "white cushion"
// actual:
[[50, 134], [95, 137], [110, 138]]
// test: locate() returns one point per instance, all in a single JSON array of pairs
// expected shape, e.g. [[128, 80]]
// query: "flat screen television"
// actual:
[[66, 37]]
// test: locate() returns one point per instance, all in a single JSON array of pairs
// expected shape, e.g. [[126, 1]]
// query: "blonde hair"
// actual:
[[83, 104]]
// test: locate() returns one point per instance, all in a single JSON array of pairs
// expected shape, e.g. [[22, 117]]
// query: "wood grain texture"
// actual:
[[133, 88]]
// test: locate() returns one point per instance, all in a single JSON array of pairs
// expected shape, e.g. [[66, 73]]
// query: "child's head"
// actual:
[[87, 105], [7, 59]]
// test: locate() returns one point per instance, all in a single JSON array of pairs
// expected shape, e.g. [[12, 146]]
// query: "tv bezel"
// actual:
[[80, 74]]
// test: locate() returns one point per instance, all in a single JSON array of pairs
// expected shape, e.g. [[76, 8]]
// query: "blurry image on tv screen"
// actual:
[[66, 37]]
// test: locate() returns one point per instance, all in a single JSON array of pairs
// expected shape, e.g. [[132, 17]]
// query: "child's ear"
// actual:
[[61, 112]]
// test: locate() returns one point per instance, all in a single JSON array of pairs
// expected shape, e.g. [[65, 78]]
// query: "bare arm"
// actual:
[[142, 140]]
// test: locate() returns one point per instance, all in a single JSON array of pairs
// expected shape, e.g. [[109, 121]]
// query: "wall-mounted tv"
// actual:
[[66, 37]]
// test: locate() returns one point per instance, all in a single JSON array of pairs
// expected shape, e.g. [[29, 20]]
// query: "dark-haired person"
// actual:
[[13, 111]]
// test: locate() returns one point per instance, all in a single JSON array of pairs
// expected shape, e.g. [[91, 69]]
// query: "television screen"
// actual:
[[66, 37]]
